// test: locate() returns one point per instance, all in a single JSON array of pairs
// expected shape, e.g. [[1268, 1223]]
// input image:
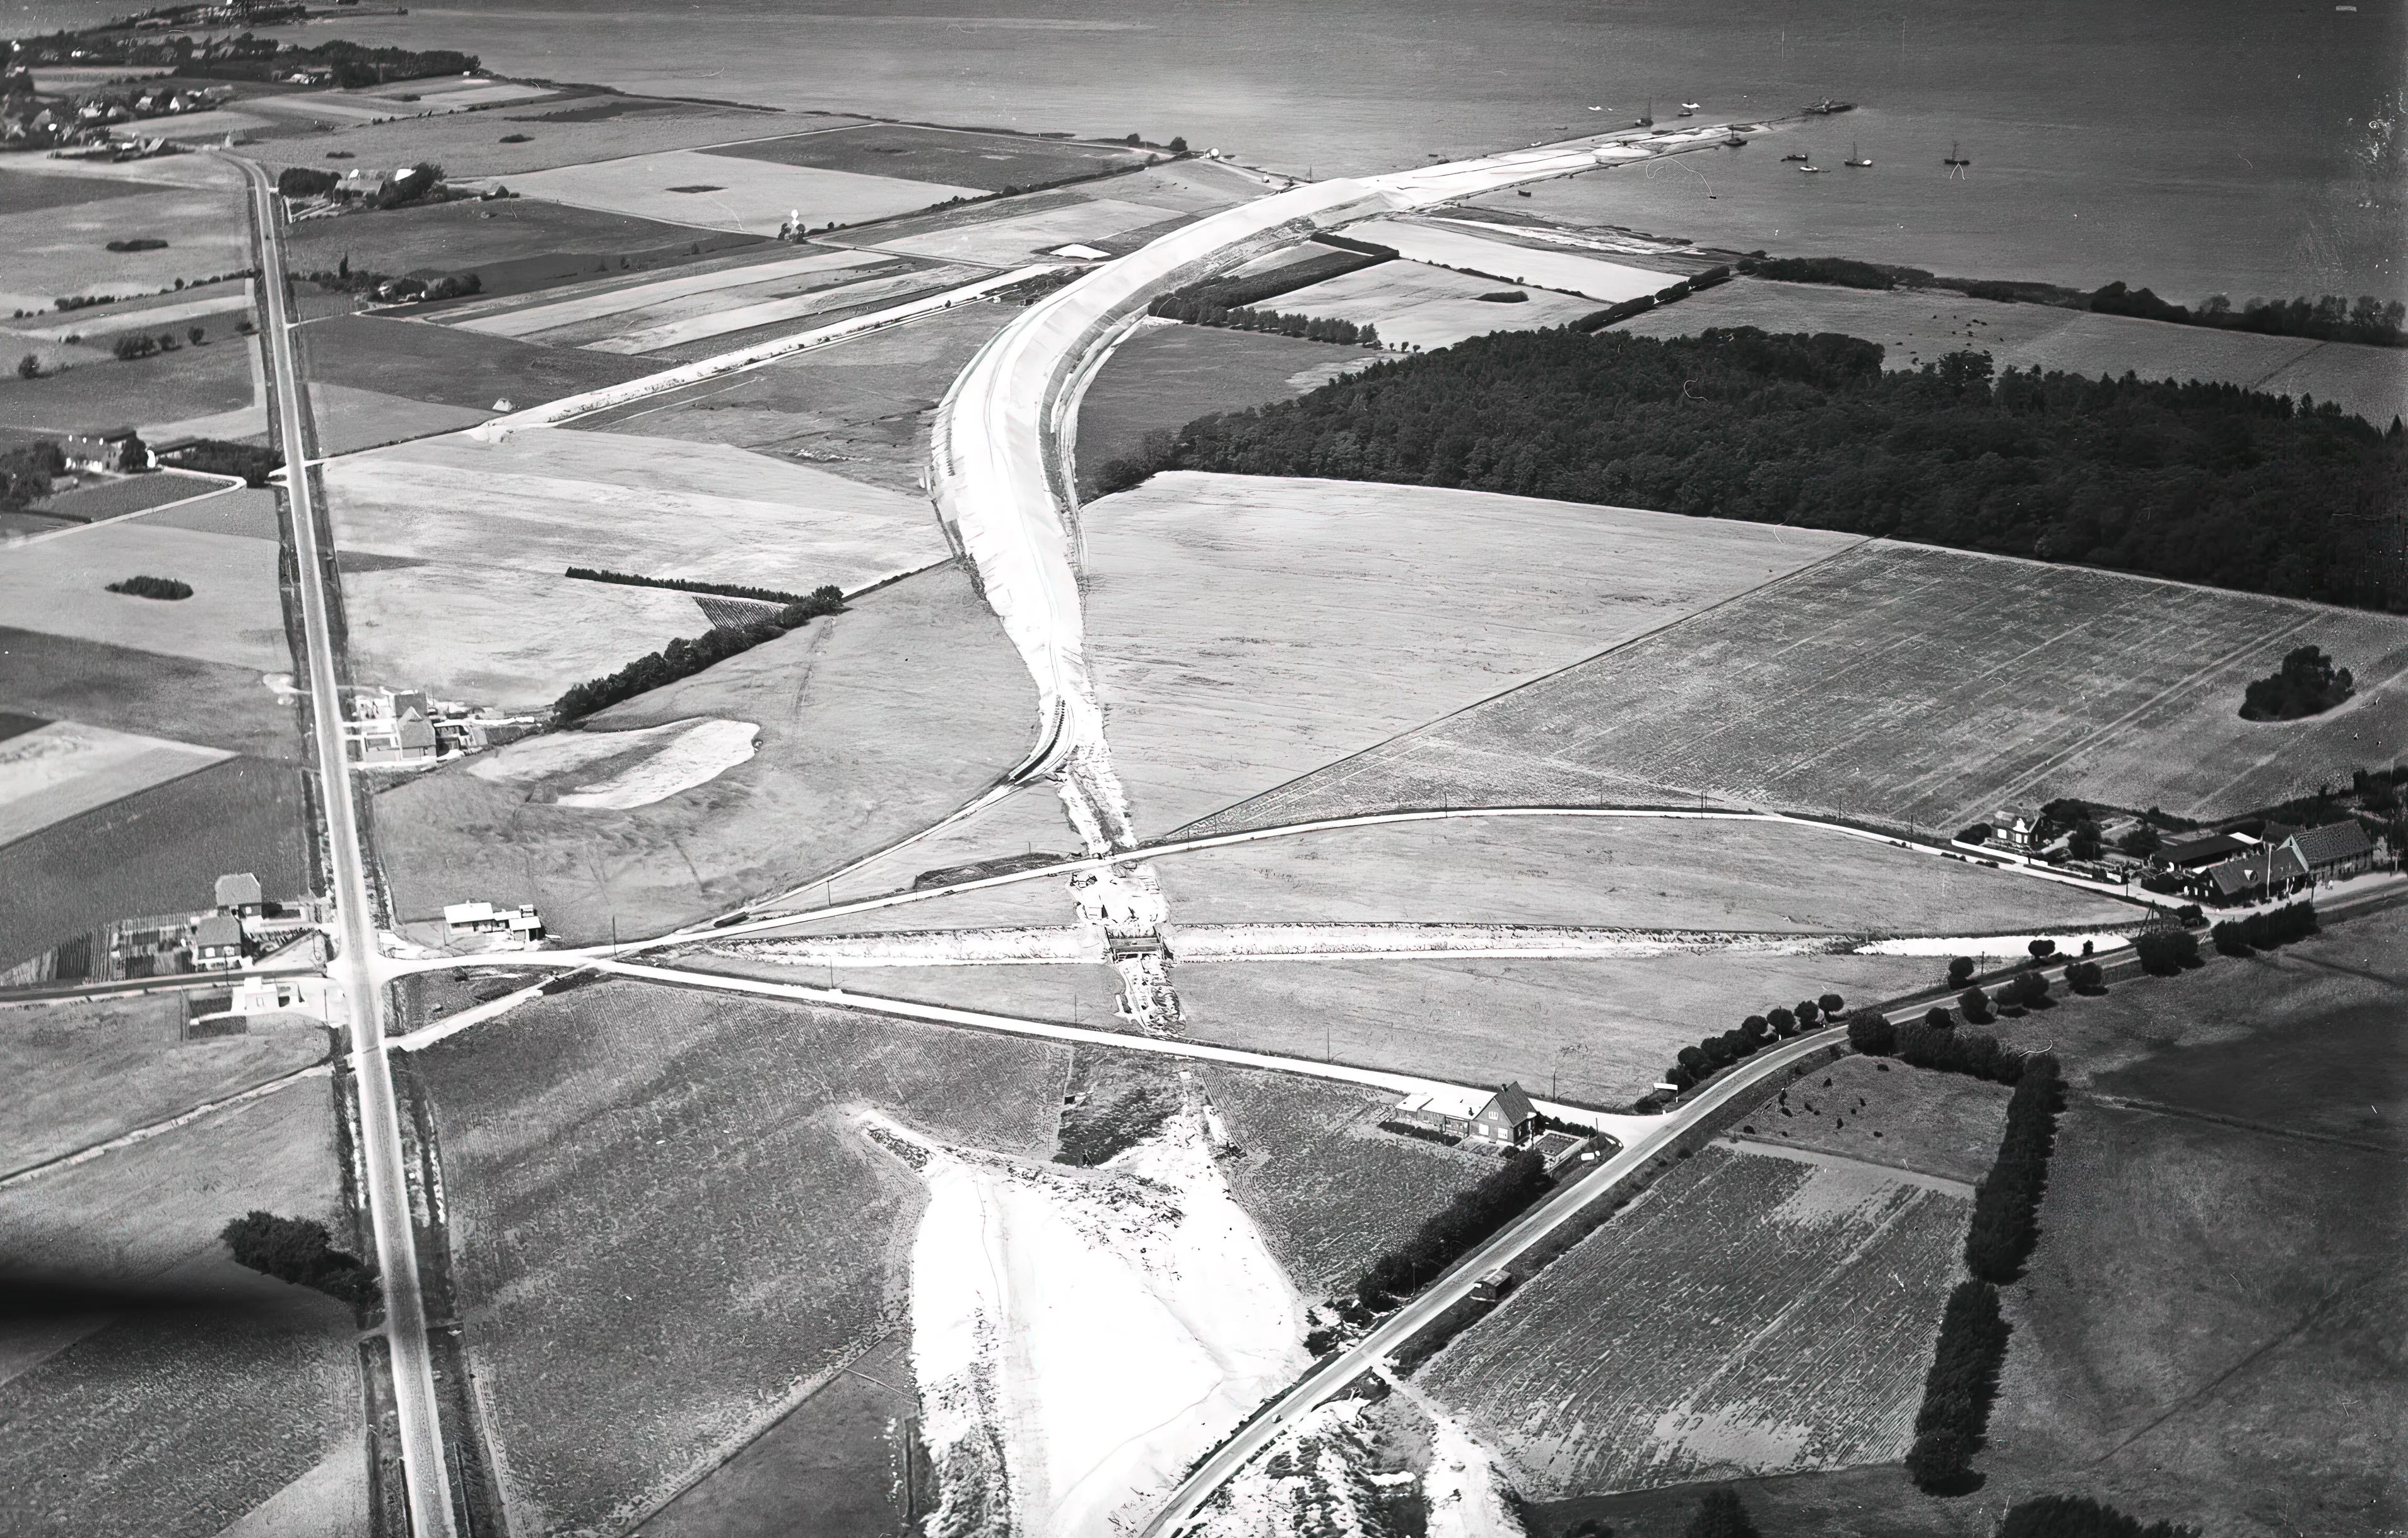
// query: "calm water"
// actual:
[[2195, 146]]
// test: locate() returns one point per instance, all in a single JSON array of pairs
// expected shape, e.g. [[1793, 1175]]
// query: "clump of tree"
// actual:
[[688, 655], [2328, 318], [299, 181], [2308, 683], [1721, 1513], [2166, 952], [1959, 1388], [1927, 1043], [2079, 1516], [2264, 931], [1463, 1225], [300, 1250], [25, 472], [167, 588], [253, 462], [1836, 271], [2202, 483], [1312, 328], [2006, 1202]]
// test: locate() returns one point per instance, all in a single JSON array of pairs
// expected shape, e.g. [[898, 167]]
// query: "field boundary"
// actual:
[[159, 1128]]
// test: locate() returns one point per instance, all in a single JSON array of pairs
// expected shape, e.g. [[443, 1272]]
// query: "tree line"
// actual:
[[2264, 931], [1463, 1225], [2079, 1516], [688, 655], [1312, 328], [1712, 1054], [2209, 484], [822, 597]]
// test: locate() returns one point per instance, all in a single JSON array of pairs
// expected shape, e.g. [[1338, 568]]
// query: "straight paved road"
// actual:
[[355, 966]]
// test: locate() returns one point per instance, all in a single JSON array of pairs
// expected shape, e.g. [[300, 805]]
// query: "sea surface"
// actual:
[[2196, 147]]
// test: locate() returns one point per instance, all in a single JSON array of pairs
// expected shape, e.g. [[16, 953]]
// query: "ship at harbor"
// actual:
[[1824, 107]]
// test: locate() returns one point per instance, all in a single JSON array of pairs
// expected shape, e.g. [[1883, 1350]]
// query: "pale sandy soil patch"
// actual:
[[1797, 1339], [1608, 282], [64, 250], [1661, 874], [1245, 629], [538, 312], [1895, 682], [1086, 1337], [755, 195], [1013, 238], [1412, 305], [926, 947], [53, 772], [1917, 329], [233, 617], [1323, 1464], [696, 755]]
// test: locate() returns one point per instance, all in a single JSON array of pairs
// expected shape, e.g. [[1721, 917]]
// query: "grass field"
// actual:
[[1713, 875], [176, 1421], [723, 193], [244, 512], [860, 407], [1936, 1123], [665, 1221], [1915, 328], [1009, 233], [513, 244], [1797, 1336], [113, 499], [1431, 307], [1329, 1190], [349, 420], [1165, 376], [63, 248], [567, 132], [1900, 682], [67, 767], [765, 313], [601, 308], [234, 616], [158, 850], [1566, 272], [213, 704], [450, 366], [949, 157], [83, 1073], [146, 392], [486, 533], [1244, 630], [873, 724], [20, 193]]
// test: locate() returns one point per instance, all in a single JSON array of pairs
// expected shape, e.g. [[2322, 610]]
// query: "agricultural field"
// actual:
[[161, 395], [949, 157], [212, 704], [1451, 246], [234, 616], [1596, 1031], [66, 767], [135, 1053], [1012, 231], [1917, 327], [861, 408], [486, 533], [244, 512], [1944, 1125], [348, 421], [838, 1466], [1645, 872], [157, 851], [873, 724], [513, 244], [23, 192], [1415, 305], [61, 248], [1796, 1339], [1914, 685], [723, 193], [450, 366], [568, 131], [96, 500], [1329, 1189], [666, 1223], [228, 1390], [741, 318], [1167, 374], [1244, 630], [608, 313]]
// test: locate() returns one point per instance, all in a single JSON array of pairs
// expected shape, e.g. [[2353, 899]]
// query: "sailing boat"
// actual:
[[1955, 159], [1856, 157], [1688, 109], [1649, 120]]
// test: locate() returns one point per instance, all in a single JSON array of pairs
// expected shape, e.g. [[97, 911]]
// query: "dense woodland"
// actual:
[[2209, 484]]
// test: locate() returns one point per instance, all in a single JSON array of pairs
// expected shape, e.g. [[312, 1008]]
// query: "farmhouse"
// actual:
[[217, 944], [2330, 852], [115, 449], [2259, 875], [2016, 829], [469, 920], [1505, 1116]]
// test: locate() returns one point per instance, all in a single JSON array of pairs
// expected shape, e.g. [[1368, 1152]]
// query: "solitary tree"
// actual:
[[1960, 971], [1693, 1060], [1808, 1013], [1938, 1017], [196, 334], [1870, 1031], [1831, 1004], [1976, 1005], [2040, 949], [1721, 1515], [29, 367]]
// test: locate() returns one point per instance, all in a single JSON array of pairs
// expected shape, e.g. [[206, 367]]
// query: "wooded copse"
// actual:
[[688, 655], [300, 1251], [2209, 484]]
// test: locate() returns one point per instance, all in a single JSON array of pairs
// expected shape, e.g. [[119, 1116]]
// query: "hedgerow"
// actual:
[[686, 656], [1463, 1225]]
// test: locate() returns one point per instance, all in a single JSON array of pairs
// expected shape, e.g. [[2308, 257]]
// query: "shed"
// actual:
[[240, 896]]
